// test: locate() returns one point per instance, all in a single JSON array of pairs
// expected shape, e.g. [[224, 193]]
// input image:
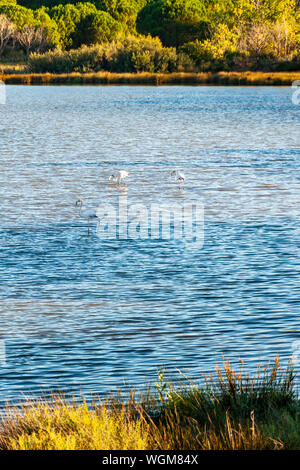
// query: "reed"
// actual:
[[145, 78], [12, 68], [232, 411]]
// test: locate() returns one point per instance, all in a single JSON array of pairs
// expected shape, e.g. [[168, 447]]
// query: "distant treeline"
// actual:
[[151, 35]]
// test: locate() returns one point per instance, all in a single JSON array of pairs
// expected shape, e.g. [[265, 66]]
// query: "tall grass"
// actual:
[[145, 78], [11, 68], [231, 411]]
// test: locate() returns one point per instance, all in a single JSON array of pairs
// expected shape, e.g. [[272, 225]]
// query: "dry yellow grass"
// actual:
[[12, 68], [107, 78], [59, 425]]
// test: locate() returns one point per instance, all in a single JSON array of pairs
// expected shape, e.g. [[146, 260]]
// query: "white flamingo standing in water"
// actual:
[[178, 177], [120, 176], [88, 214]]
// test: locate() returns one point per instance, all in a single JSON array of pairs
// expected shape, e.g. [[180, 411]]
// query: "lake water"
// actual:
[[83, 314]]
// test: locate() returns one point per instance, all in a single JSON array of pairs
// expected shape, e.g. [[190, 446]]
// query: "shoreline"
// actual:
[[157, 79]]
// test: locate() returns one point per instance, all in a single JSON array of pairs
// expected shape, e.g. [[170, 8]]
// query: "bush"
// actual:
[[132, 54]]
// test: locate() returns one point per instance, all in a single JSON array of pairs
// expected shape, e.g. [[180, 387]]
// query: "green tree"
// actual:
[[96, 28], [84, 24], [16, 13], [48, 25], [35, 4], [36, 19], [175, 22], [124, 11], [67, 17], [235, 12]]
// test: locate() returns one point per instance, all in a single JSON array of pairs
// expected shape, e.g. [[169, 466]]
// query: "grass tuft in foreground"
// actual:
[[64, 426], [231, 411]]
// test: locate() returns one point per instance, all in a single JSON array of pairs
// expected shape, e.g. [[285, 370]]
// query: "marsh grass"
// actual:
[[230, 411], [11, 68], [146, 78]]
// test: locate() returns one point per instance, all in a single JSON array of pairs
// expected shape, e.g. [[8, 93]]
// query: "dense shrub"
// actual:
[[132, 54]]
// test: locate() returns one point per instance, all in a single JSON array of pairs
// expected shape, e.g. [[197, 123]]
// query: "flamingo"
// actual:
[[178, 177], [86, 214], [121, 175]]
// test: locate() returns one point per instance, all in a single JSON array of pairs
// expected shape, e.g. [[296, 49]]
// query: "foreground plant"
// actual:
[[64, 426], [230, 411]]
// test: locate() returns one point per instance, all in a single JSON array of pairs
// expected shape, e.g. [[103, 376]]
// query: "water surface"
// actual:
[[78, 313]]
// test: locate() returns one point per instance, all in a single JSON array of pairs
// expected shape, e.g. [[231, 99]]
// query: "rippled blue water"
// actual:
[[81, 313]]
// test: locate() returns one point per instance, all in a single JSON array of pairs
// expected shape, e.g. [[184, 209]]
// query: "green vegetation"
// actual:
[[175, 22], [151, 35], [231, 411], [132, 54]]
